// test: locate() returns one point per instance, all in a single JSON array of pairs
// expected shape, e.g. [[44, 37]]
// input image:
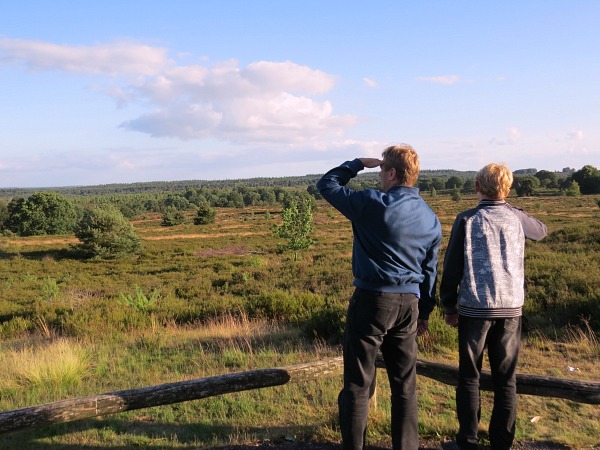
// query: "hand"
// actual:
[[422, 327], [451, 319], [371, 163]]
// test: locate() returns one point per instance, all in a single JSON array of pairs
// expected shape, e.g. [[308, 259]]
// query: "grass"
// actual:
[[54, 367], [226, 301]]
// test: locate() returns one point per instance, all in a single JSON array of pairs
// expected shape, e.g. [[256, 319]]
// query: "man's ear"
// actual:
[[392, 173], [476, 186]]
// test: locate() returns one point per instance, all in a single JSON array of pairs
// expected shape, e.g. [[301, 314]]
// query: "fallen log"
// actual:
[[581, 391], [165, 394]]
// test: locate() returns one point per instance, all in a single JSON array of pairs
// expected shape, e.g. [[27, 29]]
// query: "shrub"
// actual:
[[139, 300], [206, 214], [15, 327], [172, 217], [50, 290], [41, 213], [105, 233], [327, 324], [456, 196], [284, 305]]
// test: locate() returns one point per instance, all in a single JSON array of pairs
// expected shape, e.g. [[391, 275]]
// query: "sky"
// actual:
[[111, 91]]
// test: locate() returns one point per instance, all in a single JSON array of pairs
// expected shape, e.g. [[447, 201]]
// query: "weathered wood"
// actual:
[[114, 402], [165, 394], [582, 391]]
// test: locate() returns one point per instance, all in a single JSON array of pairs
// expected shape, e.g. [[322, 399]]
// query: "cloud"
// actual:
[[264, 101], [287, 76], [370, 83], [117, 59], [514, 134], [575, 135], [442, 79]]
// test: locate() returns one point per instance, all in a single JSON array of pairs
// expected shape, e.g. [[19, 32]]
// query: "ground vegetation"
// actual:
[[197, 301]]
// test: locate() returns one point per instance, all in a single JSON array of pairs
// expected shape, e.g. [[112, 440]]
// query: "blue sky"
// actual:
[[97, 92]]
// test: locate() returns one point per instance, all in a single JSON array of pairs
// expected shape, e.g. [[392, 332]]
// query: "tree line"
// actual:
[[100, 221]]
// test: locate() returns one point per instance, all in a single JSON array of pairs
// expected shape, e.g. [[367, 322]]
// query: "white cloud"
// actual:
[[370, 83], [575, 135], [514, 133], [511, 137], [117, 59], [442, 79], [287, 76], [264, 101]]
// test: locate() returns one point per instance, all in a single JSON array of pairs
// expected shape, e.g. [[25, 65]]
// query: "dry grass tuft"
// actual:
[[58, 365]]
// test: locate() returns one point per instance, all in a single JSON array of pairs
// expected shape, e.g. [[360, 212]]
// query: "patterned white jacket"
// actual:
[[484, 275]]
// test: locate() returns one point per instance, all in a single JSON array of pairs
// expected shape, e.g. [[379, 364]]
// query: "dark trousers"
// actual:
[[388, 322], [502, 338]]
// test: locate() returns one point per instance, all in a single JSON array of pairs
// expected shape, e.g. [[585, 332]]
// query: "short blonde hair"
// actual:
[[405, 160], [495, 180]]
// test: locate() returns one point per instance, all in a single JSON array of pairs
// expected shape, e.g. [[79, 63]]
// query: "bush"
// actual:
[[456, 196], [139, 300], [283, 305], [206, 215], [105, 233], [15, 327], [41, 213], [327, 324], [172, 217]]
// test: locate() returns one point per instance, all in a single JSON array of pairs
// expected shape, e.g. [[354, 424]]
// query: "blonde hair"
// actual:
[[495, 180], [405, 160]]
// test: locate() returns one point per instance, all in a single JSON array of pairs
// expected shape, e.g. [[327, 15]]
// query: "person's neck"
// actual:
[[481, 197]]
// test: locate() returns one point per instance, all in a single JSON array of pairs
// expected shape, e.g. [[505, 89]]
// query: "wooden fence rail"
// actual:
[[165, 394]]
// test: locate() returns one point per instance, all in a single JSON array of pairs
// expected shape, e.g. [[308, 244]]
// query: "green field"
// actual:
[[213, 299]]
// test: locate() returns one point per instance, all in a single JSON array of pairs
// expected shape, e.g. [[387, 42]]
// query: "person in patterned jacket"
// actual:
[[482, 291]]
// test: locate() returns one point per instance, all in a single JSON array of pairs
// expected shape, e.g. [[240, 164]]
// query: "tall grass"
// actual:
[[56, 367]]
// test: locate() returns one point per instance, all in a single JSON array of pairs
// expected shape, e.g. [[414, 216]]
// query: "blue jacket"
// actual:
[[396, 235]]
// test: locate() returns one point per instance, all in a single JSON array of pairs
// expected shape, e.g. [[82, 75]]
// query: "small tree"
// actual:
[[456, 197], [172, 217], [206, 214], [571, 189], [296, 227], [105, 233]]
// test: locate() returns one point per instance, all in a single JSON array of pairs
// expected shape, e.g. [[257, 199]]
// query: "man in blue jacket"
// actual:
[[482, 291], [394, 259]]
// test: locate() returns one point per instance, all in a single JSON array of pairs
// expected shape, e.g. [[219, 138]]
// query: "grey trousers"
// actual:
[[502, 338]]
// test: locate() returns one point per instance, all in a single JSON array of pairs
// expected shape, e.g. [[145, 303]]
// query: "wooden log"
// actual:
[[582, 391], [115, 402], [165, 394]]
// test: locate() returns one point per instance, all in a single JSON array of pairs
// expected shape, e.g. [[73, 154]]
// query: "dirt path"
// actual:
[[28, 242]]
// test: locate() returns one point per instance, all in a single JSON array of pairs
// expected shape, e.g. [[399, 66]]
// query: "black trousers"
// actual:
[[502, 338], [387, 322]]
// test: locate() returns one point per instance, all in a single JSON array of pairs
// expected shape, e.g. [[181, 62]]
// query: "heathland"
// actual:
[[222, 297]]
